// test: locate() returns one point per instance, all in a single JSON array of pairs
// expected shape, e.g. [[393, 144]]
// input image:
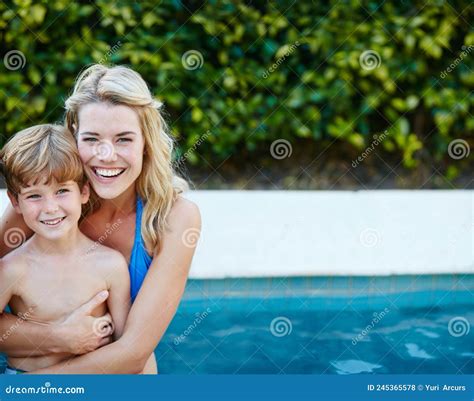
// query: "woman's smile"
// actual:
[[108, 173]]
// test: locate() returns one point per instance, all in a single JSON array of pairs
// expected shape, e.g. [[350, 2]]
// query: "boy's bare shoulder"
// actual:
[[14, 264], [108, 260]]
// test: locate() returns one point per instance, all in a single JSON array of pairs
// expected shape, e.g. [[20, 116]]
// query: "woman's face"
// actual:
[[111, 147]]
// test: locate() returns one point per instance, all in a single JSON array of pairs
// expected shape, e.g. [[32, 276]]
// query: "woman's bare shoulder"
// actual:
[[183, 221], [184, 214]]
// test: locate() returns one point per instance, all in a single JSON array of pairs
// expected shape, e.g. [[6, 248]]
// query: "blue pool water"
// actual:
[[323, 325], [406, 340]]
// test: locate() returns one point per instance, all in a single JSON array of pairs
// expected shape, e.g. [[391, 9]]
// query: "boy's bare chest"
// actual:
[[50, 293]]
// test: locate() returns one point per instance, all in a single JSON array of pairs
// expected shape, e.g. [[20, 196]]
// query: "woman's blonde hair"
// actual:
[[158, 184], [45, 151]]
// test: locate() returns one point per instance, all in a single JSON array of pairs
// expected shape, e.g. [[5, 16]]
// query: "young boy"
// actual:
[[58, 269]]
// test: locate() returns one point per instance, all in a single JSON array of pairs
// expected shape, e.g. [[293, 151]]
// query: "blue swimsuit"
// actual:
[[140, 260]]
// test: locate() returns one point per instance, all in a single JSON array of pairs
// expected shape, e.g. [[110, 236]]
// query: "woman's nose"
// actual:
[[105, 151]]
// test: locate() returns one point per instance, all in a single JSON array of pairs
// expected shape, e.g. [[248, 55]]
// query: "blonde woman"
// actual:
[[135, 208]]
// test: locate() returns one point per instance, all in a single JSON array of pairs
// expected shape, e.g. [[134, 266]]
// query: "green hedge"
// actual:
[[269, 70]]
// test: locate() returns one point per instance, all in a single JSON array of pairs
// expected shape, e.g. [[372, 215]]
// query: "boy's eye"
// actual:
[[63, 190], [34, 196]]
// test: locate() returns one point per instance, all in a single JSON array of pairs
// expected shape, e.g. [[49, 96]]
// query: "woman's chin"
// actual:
[[107, 192], [112, 191]]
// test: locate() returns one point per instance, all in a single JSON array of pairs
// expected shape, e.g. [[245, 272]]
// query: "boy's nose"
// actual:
[[51, 206], [105, 151]]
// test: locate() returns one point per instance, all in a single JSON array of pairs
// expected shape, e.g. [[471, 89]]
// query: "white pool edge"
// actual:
[[325, 233]]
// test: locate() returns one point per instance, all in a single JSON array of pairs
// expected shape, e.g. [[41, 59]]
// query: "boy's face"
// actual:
[[51, 210]]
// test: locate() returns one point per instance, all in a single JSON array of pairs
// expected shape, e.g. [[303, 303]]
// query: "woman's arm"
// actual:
[[76, 335], [154, 306], [13, 231], [17, 344]]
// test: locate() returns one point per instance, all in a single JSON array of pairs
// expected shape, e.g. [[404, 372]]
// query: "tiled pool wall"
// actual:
[[333, 293]]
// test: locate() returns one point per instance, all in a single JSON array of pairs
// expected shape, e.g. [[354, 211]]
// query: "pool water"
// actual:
[[349, 341], [323, 325]]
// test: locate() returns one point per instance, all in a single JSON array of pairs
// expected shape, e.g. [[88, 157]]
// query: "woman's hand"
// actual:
[[81, 333]]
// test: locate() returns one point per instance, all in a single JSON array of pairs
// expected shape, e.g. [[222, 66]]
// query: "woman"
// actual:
[[136, 209]]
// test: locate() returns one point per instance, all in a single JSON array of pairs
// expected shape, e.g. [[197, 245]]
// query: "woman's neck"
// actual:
[[121, 206]]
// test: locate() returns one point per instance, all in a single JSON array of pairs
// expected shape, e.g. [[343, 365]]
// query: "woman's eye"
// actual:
[[124, 140], [90, 139]]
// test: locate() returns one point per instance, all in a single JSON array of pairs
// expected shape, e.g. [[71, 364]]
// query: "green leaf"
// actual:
[[37, 12], [196, 115]]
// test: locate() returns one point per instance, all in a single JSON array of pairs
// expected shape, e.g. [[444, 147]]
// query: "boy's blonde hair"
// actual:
[[45, 150], [158, 184]]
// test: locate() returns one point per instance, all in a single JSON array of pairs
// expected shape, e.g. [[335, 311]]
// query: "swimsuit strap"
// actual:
[[140, 260], [138, 222]]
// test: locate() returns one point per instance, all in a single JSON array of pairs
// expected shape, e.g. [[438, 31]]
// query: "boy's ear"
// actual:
[[85, 193], [14, 202]]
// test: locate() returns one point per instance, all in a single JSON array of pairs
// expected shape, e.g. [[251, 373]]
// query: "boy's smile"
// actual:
[[51, 210], [53, 222]]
